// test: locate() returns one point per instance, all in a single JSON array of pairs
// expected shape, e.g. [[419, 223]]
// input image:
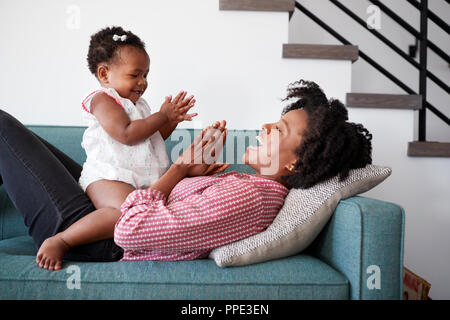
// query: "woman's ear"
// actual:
[[102, 73], [290, 167]]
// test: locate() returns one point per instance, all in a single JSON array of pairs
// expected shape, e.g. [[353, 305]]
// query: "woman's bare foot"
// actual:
[[51, 253]]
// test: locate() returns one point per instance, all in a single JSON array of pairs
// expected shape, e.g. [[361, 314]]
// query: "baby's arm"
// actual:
[[167, 129], [118, 125]]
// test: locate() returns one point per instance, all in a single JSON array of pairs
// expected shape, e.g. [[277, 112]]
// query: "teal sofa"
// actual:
[[361, 234]]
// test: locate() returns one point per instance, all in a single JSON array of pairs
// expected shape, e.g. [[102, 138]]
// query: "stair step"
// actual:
[[258, 5], [320, 51], [389, 101], [429, 149]]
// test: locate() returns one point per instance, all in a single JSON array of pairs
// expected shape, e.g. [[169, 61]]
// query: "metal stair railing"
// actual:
[[410, 29], [390, 44], [433, 17], [421, 36]]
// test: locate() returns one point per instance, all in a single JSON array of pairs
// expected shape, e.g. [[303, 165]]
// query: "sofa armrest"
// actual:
[[364, 241]]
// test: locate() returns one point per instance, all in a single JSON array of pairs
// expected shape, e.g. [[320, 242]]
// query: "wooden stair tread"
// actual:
[[320, 51], [429, 149], [390, 101], [257, 5]]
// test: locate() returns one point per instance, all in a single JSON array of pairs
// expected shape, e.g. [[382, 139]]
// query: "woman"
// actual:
[[187, 212]]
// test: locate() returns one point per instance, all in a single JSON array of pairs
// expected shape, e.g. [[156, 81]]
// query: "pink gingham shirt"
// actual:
[[200, 214]]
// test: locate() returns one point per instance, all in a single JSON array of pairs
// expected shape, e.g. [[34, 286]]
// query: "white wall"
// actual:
[[231, 61], [420, 185]]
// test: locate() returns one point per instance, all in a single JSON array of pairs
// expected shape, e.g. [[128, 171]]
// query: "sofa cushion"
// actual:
[[296, 277], [11, 221], [304, 214], [66, 139]]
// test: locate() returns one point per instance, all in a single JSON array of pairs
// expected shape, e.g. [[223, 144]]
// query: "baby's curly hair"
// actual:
[[331, 146], [103, 48]]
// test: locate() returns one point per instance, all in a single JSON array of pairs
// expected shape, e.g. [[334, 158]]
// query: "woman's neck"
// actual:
[[273, 178]]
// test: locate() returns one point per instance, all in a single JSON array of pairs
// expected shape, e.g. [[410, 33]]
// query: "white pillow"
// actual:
[[303, 215]]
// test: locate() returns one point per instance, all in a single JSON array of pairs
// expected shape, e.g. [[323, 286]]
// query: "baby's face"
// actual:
[[128, 74]]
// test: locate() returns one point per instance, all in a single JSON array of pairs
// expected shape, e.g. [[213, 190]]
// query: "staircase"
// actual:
[[420, 180], [387, 101], [410, 101], [314, 51]]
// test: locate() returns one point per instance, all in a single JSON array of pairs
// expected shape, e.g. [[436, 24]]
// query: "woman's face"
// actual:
[[275, 156]]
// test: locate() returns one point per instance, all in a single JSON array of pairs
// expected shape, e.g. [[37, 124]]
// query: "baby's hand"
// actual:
[[176, 109]]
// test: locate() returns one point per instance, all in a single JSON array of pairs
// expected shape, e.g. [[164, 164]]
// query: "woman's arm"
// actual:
[[191, 163], [222, 213], [144, 209], [169, 180]]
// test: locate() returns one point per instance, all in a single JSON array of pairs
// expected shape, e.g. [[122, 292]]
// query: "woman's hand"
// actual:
[[192, 162], [200, 158], [176, 109]]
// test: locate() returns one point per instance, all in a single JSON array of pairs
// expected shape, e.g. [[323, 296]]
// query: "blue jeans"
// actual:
[[42, 182]]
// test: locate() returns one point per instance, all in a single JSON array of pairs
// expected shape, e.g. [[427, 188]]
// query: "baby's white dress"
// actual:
[[140, 165]]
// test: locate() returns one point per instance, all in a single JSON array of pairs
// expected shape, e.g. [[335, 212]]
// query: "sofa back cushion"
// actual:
[[68, 140]]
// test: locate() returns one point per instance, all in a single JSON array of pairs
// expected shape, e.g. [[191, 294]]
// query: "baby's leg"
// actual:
[[107, 197], [108, 193]]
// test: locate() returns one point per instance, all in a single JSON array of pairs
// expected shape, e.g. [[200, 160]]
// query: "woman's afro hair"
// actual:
[[331, 146], [103, 48]]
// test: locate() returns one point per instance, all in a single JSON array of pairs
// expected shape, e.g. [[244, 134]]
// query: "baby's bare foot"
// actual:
[[51, 253]]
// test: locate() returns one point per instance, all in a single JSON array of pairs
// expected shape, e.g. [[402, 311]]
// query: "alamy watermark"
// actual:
[[374, 19], [374, 279], [73, 282], [73, 20]]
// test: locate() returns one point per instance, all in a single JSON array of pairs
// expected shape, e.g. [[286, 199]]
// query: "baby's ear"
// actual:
[[102, 73]]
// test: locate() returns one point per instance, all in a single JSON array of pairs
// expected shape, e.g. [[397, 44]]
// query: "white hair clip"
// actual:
[[122, 38]]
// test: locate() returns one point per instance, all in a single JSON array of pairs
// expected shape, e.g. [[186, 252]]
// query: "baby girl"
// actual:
[[124, 141]]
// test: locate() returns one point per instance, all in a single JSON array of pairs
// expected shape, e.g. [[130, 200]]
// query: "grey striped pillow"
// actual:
[[303, 215]]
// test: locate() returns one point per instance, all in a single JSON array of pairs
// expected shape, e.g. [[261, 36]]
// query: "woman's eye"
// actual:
[[134, 75]]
